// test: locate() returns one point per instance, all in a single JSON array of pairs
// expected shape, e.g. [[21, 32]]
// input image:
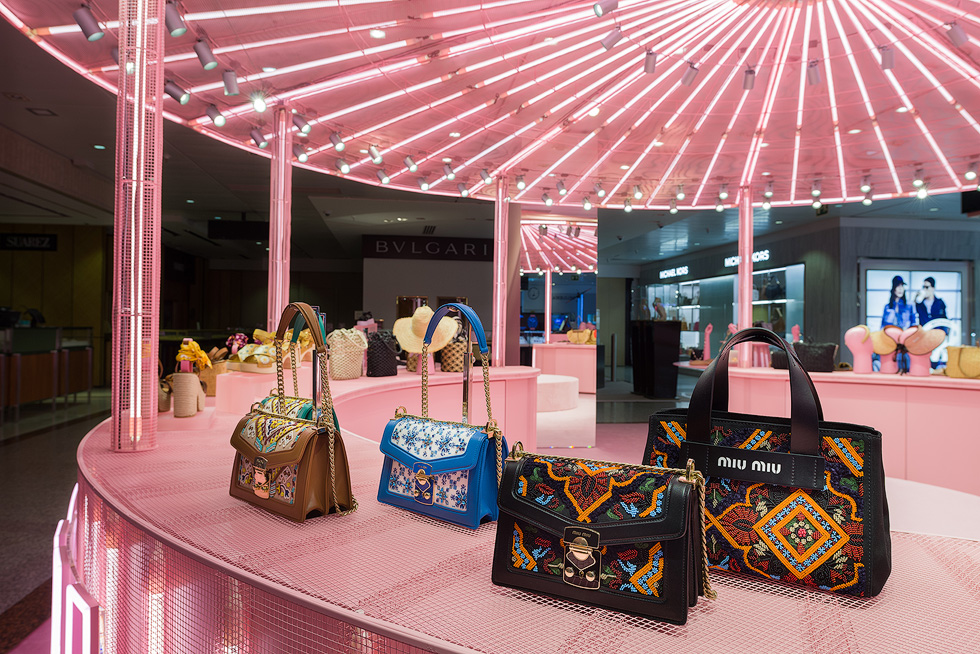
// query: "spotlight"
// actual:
[[601, 192], [815, 189], [867, 198], [956, 35], [376, 33], [301, 124], [587, 203], [423, 184], [337, 142], [547, 200], [462, 189], [215, 116], [689, 74], [813, 75], [410, 164], [173, 20], [817, 203], [130, 66], [637, 193], [521, 184], [383, 176], [375, 154], [230, 79], [543, 230], [258, 103], [258, 139], [628, 206], [673, 206], [748, 79], [180, 95], [887, 57], [568, 232], [866, 184], [723, 192], [604, 7], [650, 62], [719, 205], [560, 185], [923, 192], [204, 55], [447, 170], [971, 172], [680, 195], [919, 178], [540, 272], [485, 176], [768, 192], [576, 231], [611, 39], [300, 153], [766, 204], [343, 166], [90, 26]]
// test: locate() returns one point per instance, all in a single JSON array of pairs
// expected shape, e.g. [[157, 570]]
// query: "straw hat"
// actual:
[[411, 331]]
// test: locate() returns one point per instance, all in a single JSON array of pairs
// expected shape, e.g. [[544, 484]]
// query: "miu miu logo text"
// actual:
[[740, 464]]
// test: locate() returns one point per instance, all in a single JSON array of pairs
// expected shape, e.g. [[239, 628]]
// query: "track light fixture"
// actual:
[[230, 79], [86, 20], [543, 230], [887, 57], [485, 176], [205, 55], [723, 192], [813, 74], [215, 116], [180, 95], [423, 184], [343, 166], [650, 62], [923, 192], [447, 170], [866, 184], [637, 192], [300, 153], [568, 232], [673, 206], [521, 184], [597, 187], [611, 39], [259, 104], [301, 124], [258, 139], [679, 194], [719, 205], [587, 203], [383, 176], [766, 204], [628, 206], [547, 199], [560, 185], [815, 189], [461, 187], [337, 142], [956, 35], [920, 178], [604, 7], [410, 164], [575, 233], [130, 66], [748, 79], [768, 192], [867, 198], [690, 74], [971, 172], [817, 203], [173, 20], [540, 272], [375, 154]]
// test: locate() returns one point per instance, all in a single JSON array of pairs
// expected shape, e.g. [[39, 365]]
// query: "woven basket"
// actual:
[[163, 396], [187, 389], [453, 355], [346, 353], [220, 367], [209, 379]]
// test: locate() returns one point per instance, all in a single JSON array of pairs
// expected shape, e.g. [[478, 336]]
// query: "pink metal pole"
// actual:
[[280, 216], [501, 215], [745, 246], [136, 234], [547, 305]]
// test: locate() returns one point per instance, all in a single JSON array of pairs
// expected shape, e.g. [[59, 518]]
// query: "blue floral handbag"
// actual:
[[442, 469]]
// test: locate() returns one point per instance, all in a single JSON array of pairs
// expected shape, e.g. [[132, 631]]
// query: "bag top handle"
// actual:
[[303, 315], [804, 416], [471, 318]]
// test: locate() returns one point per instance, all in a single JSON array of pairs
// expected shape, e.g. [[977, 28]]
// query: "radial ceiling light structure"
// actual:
[[556, 244], [692, 92]]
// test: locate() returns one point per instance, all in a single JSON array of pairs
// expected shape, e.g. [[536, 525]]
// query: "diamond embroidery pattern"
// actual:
[[801, 534], [429, 440]]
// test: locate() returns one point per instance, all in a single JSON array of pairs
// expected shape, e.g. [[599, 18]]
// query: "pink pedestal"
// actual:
[[568, 359], [557, 393]]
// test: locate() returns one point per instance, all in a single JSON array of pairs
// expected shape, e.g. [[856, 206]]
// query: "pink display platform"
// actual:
[[174, 564], [568, 359], [928, 425]]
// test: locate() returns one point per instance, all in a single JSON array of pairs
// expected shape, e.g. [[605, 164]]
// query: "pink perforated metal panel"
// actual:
[[179, 566], [280, 216], [136, 263]]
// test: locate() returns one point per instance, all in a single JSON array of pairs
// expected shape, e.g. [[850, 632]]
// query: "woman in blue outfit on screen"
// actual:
[[898, 312]]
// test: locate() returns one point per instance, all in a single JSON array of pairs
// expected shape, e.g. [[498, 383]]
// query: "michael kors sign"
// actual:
[[427, 247]]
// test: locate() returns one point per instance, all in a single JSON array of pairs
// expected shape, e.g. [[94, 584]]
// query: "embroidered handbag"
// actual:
[[290, 459], [814, 357], [801, 501], [619, 536], [446, 470], [346, 353], [382, 354]]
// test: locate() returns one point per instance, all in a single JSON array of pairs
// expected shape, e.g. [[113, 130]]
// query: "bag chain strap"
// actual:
[[688, 475], [493, 430]]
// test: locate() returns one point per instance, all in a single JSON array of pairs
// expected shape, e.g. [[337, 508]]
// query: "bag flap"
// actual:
[[445, 446], [279, 440], [623, 503]]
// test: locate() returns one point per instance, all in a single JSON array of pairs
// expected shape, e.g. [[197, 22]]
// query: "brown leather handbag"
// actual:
[[290, 457]]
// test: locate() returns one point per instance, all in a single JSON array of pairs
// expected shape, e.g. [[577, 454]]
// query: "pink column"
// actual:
[[136, 234], [501, 215], [280, 216], [745, 245], [547, 305]]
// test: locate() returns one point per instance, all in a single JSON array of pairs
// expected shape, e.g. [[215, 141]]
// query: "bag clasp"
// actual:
[[582, 558]]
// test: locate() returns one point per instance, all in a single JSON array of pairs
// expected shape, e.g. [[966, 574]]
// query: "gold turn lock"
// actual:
[[423, 478]]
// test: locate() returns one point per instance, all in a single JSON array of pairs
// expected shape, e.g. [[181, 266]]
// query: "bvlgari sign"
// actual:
[[427, 247]]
